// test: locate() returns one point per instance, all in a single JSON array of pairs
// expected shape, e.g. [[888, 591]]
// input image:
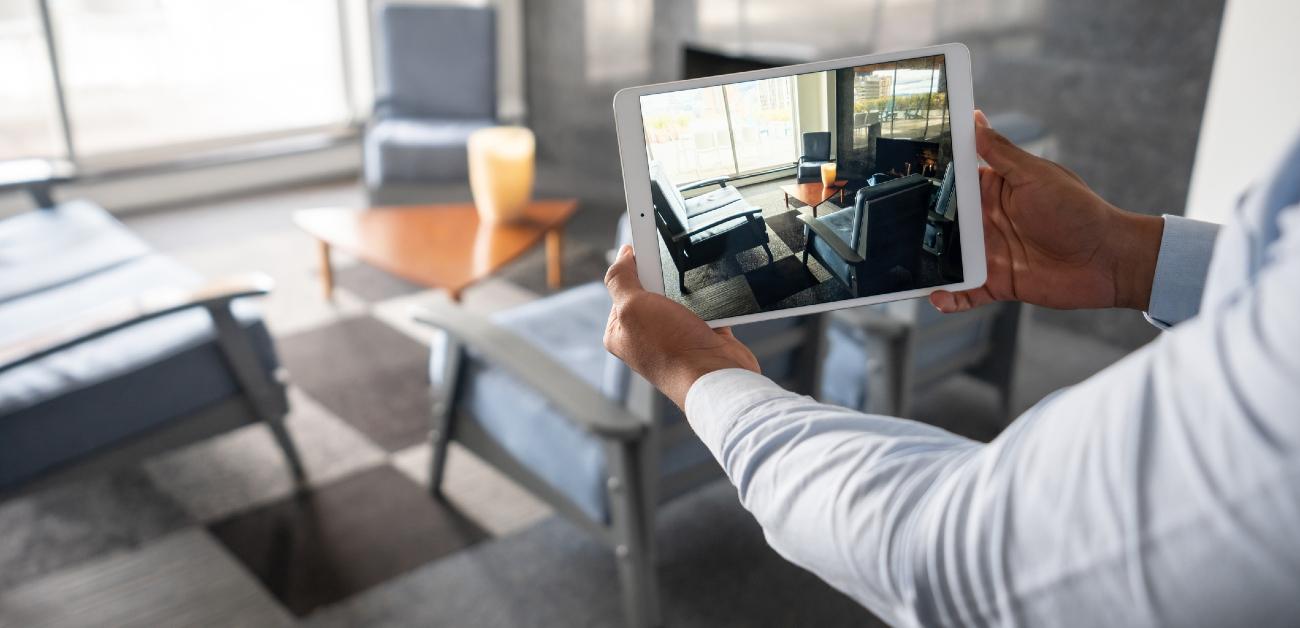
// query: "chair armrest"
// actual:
[[124, 313], [709, 225], [839, 246], [718, 181], [574, 397]]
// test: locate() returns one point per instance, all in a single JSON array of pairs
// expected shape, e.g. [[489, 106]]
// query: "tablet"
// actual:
[[805, 188]]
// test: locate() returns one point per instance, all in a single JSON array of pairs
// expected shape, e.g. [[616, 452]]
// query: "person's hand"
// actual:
[[662, 340], [1050, 240]]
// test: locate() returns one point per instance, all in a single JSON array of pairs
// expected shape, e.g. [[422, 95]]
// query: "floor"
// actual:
[[750, 282], [214, 535]]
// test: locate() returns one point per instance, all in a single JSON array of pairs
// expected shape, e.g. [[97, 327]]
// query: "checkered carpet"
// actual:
[[214, 535], [749, 283]]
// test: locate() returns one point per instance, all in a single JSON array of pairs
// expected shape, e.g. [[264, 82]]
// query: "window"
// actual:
[[721, 131], [149, 80], [29, 118], [909, 100], [145, 74]]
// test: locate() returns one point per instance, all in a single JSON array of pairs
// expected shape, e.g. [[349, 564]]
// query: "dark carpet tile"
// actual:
[[714, 569], [372, 284], [338, 540], [73, 522], [366, 373], [779, 280], [789, 228]]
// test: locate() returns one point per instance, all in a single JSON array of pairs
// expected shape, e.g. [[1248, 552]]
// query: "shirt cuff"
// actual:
[[1184, 260], [716, 400]]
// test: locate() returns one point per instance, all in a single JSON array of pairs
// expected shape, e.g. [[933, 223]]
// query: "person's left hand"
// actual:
[[662, 340]]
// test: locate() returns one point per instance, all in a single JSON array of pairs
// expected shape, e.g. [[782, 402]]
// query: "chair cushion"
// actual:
[[667, 199], [418, 150], [57, 245], [569, 327], [740, 209], [97, 393], [817, 146], [840, 222], [810, 169], [710, 201], [436, 61]]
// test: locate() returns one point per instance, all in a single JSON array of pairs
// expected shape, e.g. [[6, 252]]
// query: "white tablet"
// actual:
[[805, 188]]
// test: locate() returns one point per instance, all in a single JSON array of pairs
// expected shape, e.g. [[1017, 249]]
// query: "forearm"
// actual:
[[836, 491]]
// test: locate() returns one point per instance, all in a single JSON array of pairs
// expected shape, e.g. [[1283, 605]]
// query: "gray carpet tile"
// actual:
[[337, 540], [581, 262], [476, 489], [714, 570], [184, 579], [245, 468], [67, 524], [366, 373], [372, 284]]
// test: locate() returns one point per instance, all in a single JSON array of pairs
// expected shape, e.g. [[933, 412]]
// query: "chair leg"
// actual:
[[282, 438], [633, 537], [441, 402], [770, 257], [681, 281], [264, 393]]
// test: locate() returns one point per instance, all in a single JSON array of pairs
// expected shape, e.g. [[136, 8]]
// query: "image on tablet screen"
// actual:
[[804, 189]]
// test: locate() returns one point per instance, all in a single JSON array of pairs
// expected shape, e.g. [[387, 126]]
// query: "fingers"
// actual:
[[1003, 156], [953, 302], [621, 279]]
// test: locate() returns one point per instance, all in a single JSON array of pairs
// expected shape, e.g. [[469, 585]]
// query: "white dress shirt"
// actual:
[[1164, 490]]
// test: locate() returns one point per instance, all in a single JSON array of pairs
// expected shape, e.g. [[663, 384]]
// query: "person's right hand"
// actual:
[[1050, 240]]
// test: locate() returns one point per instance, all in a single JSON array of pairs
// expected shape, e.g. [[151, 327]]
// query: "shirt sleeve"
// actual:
[[1160, 491], [1183, 263]]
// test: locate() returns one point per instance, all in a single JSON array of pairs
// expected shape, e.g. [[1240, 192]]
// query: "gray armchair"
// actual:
[[816, 151], [874, 246], [435, 83], [533, 392], [110, 352], [704, 228]]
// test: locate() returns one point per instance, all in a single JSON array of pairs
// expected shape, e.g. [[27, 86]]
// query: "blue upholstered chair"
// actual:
[[816, 151], [532, 391], [110, 352], [704, 228], [874, 246], [435, 83], [878, 357]]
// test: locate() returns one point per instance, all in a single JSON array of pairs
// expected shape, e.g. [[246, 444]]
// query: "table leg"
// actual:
[[841, 196], [326, 270], [554, 251], [787, 200]]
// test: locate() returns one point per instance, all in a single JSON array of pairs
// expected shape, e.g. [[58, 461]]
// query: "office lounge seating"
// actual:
[[435, 83], [879, 357], [816, 151], [110, 352], [875, 245], [704, 228], [532, 391]]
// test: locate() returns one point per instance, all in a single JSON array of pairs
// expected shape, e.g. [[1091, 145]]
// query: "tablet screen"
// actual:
[[804, 189]]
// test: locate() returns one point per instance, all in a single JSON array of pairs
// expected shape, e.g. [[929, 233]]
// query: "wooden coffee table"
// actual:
[[814, 193], [440, 246]]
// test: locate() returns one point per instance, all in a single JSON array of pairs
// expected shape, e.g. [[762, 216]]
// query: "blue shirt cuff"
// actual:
[[1184, 260]]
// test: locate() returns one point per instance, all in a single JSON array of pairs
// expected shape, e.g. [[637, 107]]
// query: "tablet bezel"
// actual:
[[636, 173]]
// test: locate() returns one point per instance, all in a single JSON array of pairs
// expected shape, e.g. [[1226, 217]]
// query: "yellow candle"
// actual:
[[828, 174], [501, 172]]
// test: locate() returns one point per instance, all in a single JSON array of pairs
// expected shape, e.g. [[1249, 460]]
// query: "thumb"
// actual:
[[621, 279], [1000, 153]]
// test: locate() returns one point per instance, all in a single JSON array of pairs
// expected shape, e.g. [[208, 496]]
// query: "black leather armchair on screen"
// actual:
[[816, 151], [874, 246], [704, 228]]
